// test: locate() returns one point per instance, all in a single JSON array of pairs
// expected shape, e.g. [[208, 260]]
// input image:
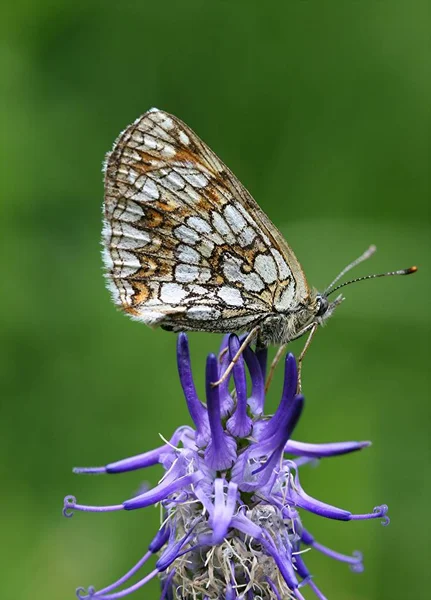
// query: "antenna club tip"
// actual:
[[411, 270]]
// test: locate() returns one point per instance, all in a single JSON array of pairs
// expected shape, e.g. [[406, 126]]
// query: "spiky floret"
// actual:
[[230, 494]]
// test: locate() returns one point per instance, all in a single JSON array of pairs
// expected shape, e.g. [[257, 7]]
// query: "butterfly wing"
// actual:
[[185, 244]]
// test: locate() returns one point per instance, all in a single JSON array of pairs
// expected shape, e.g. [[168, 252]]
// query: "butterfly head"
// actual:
[[324, 307]]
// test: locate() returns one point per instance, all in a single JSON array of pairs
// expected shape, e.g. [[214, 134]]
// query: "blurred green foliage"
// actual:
[[322, 110]]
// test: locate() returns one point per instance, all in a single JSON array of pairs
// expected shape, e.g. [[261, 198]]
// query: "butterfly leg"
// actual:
[[252, 334], [273, 366], [226, 350], [223, 354], [312, 329]]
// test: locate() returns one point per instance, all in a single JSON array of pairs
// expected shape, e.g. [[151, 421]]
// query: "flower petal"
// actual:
[[221, 450], [239, 424]]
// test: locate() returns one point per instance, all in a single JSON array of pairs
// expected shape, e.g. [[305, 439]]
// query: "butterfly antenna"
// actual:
[[367, 254], [408, 271]]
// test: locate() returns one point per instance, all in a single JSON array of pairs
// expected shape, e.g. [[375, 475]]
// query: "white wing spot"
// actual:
[[138, 137], [162, 119], [206, 248], [204, 275], [132, 175], [174, 182], [266, 267], [186, 273], [165, 122], [184, 138], [246, 236], [253, 283], [199, 224], [198, 289], [127, 211], [129, 237], [283, 268], [284, 303], [223, 228], [232, 271], [168, 151], [234, 218], [125, 263], [195, 178], [231, 296], [150, 143], [188, 255], [148, 190], [193, 194], [186, 235], [172, 293], [203, 313]]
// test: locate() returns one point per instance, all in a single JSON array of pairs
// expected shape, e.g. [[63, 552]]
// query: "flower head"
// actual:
[[231, 496]]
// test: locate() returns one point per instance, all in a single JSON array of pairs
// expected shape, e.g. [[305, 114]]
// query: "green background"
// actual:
[[322, 110]]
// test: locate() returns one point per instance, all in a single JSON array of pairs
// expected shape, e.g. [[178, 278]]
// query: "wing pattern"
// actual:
[[185, 245]]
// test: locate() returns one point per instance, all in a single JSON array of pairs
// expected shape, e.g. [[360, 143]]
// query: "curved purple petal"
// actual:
[[161, 492], [256, 400], [288, 395], [221, 450], [239, 424], [323, 450], [197, 410], [224, 509]]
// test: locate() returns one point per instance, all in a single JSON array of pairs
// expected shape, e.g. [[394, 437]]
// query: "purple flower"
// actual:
[[232, 499]]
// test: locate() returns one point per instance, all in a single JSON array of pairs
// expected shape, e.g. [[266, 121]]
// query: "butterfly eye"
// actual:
[[322, 306]]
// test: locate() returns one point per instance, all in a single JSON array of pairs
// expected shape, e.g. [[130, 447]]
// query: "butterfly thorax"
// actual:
[[284, 327]]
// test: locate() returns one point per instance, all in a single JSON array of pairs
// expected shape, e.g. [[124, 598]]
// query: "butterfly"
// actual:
[[187, 248]]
